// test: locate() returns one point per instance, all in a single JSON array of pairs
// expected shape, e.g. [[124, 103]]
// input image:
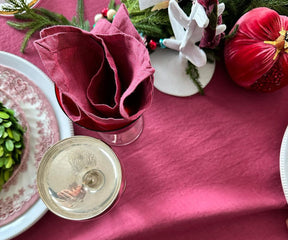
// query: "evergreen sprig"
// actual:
[[79, 20], [193, 73], [153, 24], [35, 19]]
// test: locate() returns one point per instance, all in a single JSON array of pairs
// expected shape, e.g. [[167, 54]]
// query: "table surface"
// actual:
[[205, 167]]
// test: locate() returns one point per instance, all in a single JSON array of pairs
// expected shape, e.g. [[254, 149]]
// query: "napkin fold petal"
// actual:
[[104, 78], [58, 29], [135, 74], [71, 59]]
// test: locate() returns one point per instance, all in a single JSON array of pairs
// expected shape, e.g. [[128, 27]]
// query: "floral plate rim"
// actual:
[[33, 73]]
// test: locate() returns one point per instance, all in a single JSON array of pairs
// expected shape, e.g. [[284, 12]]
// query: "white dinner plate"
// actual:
[[170, 73], [284, 164], [34, 74]]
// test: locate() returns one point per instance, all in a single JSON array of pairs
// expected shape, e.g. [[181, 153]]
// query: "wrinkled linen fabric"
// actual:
[[104, 78], [204, 168]]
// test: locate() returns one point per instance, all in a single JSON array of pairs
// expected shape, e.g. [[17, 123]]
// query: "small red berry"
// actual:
[[104, 12], [152, 45]]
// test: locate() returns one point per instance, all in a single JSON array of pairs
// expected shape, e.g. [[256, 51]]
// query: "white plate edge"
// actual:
[[35, 212], [283, 163]]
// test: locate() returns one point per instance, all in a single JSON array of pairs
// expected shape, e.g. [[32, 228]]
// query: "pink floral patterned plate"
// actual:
[[34, 92], [8, 102], [21, 192]]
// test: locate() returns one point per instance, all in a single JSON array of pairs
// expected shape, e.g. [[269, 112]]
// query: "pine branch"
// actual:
[[153, 24], [232, 33], [111, 4], [131, 5], [27, 37], [36, 19], [193, 72], [54, 17], [151, 30], [21, 26], [81, 23]]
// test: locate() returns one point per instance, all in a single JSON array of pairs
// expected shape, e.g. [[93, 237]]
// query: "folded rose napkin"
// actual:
[[104, 78]]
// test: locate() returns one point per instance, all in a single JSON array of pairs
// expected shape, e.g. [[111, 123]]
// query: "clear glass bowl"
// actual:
[[117, 137], [80, 178]]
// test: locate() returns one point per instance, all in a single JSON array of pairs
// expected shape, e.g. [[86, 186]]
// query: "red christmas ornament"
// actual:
[[257, 56], [152, 44], [104, 12]]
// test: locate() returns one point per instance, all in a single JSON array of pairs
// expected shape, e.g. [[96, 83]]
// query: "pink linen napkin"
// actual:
[[104, 78]]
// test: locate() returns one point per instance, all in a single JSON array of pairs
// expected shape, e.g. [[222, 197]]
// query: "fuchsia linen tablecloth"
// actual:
[[205, 167]]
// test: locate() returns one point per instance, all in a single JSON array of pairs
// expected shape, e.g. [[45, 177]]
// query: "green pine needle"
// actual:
[[112, 4], [27, 37], [33, 19], [54, 17], [81, 23], [153, 24], [21, 26], [232, 33], [193, 73]]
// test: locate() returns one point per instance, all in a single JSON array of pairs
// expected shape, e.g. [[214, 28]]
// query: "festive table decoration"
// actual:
[[160, 25], [111, 86], [256, 57], [191, 23], [188, 31]]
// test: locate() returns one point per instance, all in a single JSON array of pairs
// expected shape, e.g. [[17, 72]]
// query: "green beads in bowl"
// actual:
[[11, 143]]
